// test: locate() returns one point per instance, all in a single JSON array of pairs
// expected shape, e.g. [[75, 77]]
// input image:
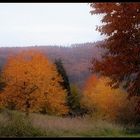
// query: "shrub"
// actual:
[[109, 104], [18, 126]]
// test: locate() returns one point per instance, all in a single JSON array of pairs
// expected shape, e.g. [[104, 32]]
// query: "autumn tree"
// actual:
[[32, 82], [121, 61], [65, 83], [91, 82], [111, 104]]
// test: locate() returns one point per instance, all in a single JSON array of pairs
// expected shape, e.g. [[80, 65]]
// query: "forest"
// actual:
[[77, 55], [88, 89]]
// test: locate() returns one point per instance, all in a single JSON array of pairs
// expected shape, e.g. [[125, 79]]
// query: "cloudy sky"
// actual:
[[25, 24]]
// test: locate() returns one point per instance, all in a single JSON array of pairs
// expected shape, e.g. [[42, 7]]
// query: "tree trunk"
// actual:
[[27, 113], [27, 107]]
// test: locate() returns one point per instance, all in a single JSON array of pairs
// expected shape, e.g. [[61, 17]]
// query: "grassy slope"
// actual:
[[15, 124]]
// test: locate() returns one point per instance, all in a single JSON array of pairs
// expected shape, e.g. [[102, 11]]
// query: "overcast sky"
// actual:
[[26, 24]]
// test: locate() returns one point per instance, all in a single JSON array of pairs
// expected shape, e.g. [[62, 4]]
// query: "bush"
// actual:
[[109, 104], [18, 126]]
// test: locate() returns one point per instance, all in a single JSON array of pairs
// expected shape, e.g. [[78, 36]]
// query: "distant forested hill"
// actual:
[[76, 58]]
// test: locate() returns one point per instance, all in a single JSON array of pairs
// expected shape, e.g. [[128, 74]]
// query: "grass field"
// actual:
[[15, 124]]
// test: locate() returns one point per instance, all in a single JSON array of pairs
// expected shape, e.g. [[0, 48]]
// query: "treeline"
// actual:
[[30, 82], [76, 58]]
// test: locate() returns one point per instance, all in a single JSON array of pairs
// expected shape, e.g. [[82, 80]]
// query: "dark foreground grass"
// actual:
[[15, 124]]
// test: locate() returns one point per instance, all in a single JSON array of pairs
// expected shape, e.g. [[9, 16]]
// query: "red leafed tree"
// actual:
[[121, 61]]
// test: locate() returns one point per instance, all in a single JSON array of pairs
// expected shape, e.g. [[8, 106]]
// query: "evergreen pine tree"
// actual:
[[65, 84]]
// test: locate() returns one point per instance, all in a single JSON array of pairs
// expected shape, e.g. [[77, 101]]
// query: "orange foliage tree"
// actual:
[[103, 101], [32, 83], [91, 82]]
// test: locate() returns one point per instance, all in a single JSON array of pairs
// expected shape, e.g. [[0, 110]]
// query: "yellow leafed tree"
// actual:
[[103, 101], [32, 82]]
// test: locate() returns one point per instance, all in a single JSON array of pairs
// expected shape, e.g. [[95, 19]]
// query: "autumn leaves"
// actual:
[[102, 101], [32, 84]]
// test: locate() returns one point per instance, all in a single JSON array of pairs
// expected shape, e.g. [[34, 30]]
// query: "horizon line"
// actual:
[[58, 45]]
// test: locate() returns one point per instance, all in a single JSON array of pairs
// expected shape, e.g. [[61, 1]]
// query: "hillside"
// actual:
[[76, 58]]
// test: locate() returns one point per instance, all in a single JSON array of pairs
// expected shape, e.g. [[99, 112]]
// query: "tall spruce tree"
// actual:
[[121, 62], [65, 83]]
